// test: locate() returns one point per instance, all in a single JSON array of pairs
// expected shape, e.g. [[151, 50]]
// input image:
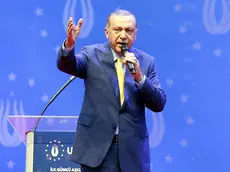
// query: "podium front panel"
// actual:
[[50, 152]]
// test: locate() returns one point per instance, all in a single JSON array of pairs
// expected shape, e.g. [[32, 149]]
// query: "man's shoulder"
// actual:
[[142, 54], [92, 47]]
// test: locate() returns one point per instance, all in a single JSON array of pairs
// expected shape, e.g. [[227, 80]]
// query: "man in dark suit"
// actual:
[[111, 132]]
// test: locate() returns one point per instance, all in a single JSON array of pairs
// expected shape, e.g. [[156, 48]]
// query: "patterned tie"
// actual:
[[121, 76]]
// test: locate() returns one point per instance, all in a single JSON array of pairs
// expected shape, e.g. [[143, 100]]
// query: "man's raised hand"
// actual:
[[73, 32]]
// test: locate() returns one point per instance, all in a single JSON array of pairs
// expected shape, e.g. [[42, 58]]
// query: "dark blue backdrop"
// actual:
[[190, 41]]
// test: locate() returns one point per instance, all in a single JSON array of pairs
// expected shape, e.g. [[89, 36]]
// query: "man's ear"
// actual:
[[136, 34], [106, 33]]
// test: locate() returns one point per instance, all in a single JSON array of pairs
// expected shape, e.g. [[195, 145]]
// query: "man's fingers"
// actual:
[[129, 55], [70, 21], [80, 22], [70, 32], [70, 26], [78, 27], [133, 61], [130, 58]]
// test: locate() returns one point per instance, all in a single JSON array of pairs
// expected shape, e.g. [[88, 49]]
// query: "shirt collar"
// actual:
[[115, 56]]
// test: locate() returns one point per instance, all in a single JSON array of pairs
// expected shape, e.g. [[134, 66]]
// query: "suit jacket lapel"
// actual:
[[105, 58]]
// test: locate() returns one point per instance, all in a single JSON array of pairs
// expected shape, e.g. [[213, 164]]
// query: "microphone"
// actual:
[[53, 98], [124, 50]]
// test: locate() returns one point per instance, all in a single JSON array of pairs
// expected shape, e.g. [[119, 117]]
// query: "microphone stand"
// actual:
[[53, 98]]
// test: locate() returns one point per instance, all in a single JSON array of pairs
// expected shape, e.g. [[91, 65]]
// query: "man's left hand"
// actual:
[[130, 57]]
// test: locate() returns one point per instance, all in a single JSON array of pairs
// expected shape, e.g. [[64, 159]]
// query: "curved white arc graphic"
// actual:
[[157, 132], [209, 17], [87, 15], [1, 115], [65, 15], [67, 11], [5, 137], [13, 140], [4, 130], [22, 122], [73, 9]]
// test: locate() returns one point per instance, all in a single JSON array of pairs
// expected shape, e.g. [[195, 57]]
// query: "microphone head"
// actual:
[[124, 48]]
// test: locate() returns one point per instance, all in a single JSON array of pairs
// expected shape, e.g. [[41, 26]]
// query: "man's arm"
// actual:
[[153, 96], [71, 63], [67, 61]]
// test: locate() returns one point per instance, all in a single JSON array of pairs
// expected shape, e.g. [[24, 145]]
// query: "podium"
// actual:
[[49, 147]]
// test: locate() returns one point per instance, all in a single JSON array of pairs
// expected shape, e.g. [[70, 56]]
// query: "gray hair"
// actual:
[[120, 12]]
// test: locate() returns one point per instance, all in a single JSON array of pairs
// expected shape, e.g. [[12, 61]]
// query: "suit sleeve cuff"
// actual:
[[141, 82], [65, 51]]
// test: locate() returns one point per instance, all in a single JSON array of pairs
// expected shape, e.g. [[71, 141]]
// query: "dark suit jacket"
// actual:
[[101, 110]]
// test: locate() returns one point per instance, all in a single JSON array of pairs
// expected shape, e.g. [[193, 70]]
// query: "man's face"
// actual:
[[122, 29]]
